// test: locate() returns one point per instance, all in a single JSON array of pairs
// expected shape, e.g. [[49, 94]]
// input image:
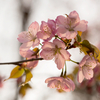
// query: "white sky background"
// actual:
[[11, 26]]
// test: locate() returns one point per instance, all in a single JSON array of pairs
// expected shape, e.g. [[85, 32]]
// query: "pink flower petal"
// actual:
[[80, 76], [65, 84], [59, 43], [60, 61], [88, 73], [24, 37], [42, 36], [61, 31], [47, 54], [36, 42], [65, 54], [83, 60], [65, 87], [53, 78], [26, 46], [48, 45], [32, 64], [74, 19], [52, 25], [61, 20], [82, 26], [71, 34], [91, 63], [26, 53], [33, 28]]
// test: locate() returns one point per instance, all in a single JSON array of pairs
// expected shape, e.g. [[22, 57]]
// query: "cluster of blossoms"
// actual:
[[57, 36]]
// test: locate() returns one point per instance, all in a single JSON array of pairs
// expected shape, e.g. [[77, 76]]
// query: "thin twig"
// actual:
[[19, 62]]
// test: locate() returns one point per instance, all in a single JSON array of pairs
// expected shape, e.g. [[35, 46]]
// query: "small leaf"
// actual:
[[96, 53], [86, 47], [23, 89], [16, 72], [28, 76], [78, 38], [80, 33]]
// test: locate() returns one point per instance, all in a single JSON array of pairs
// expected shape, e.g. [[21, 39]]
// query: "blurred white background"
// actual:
[[16, 16]]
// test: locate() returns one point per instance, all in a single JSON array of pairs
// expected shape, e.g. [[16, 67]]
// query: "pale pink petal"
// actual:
[[83, 61], [60, 61], [52, 25], [26, 46], [82, 26], [45, 28], [61, 31], [53, 84], [36, 42], [88, 73], [32, 64], [80, 76], [41, 35], [74, 15], [71, 34], [59, 43], [48, 45], [26, 53], [61, 20], [47, 54], [33, 28], [91, 63], [74, 18], [65, 54], [53, 78], [64, 87], [24, 37], [70, 84]]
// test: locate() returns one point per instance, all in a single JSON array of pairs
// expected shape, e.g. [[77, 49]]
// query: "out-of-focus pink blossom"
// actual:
[[29, 54], [86, 68], [1, 81], [32, 64], [29, 38], [48, 30], [68, 26], [57, 50], [65, 84]]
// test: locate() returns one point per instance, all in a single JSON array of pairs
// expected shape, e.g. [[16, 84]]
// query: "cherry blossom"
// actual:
[[86, 68], [68, 26], [65, 84], [48, 30], [29, 38], [57, 50], [29, 54]]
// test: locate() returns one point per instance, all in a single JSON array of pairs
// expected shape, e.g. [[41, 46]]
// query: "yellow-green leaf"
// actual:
[[28, 76], [16, 72], [96, 53], [23, 89], [78, 38], [80, 33], [86, 47]]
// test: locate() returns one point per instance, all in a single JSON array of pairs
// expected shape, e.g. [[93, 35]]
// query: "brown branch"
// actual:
[[20, 62]]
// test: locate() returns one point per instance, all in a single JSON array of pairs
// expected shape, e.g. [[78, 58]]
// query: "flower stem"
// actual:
[[65, 70], [74, 61], [59, 38], [41, 44]]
